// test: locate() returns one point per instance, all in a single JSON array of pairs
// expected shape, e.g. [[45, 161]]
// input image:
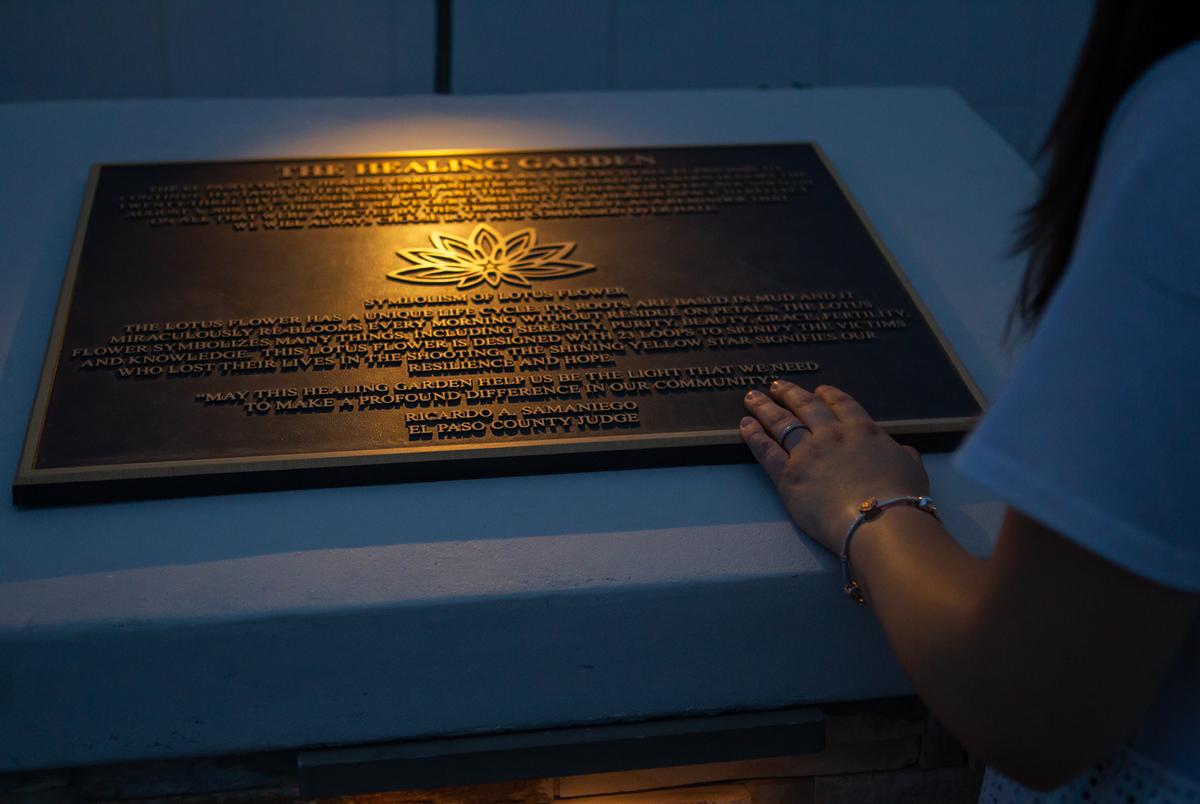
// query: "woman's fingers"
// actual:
[[766, 451], [844, 406], [916, 456], [838, 454], [770, 415], [809, 408]]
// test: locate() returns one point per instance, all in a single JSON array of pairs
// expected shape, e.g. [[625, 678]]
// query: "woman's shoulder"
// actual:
[[1162, 104], [1095, 435], [1140, 217]]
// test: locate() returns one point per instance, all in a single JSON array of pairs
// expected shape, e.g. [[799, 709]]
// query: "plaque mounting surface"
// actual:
[[239, 326]]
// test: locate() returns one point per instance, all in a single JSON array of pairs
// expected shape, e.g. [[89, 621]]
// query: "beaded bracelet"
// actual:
[[868, 509]]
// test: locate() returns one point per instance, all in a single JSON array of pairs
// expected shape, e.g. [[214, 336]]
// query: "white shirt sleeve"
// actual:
[[1096, 435]]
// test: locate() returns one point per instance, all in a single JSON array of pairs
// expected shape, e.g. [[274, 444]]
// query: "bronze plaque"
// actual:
[[237, 326]]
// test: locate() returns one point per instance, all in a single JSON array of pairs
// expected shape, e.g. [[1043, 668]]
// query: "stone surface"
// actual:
[[781, 791], [944, 786], [836, 759], [939, 748], [859, 721], [537, 791], [264, 773], [263, 622], [721, 794]]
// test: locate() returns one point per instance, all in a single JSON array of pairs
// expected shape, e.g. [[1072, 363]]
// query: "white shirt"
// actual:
[[1097, 435]]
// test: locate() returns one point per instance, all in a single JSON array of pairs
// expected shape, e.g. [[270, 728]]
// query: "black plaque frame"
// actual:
[[34, 486]]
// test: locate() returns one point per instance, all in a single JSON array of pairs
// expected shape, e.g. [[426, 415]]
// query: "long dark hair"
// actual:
[[1126, 37]]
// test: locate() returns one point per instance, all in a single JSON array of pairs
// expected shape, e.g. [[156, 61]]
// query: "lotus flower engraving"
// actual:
[[487, 256]]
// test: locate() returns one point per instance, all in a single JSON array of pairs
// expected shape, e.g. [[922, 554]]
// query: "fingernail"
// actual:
[[752, 395], [746, 421]]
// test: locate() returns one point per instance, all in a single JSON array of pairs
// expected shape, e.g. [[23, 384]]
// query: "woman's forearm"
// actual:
[[929, 596], [924, 589], [1042, 659]]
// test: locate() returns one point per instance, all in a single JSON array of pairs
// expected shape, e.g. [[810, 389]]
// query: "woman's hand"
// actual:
[[823, 472]]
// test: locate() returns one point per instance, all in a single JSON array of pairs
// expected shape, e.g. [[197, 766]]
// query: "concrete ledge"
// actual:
[[216, 626]]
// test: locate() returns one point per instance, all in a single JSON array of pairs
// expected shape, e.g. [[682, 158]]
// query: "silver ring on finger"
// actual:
[[787, 431]]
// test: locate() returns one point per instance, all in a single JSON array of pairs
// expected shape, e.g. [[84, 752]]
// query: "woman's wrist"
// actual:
[[898, 528]]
